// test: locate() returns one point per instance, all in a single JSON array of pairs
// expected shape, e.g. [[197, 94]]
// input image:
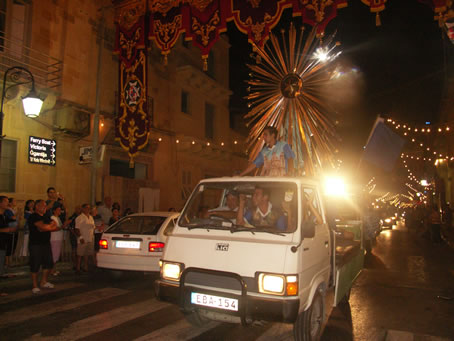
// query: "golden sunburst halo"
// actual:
[[287, 90]]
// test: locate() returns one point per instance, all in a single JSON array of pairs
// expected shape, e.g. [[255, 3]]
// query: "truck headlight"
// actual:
[[171, 271], [271, 284], [278, 284]]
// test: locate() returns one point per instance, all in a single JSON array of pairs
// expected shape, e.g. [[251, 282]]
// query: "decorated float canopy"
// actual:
[[141, 23]]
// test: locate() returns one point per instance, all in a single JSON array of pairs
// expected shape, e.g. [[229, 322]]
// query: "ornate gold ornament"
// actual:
[[258, 28], [286, 91], [129, 45], [167, 30], [128, 14], [318, 6], [204, 30]]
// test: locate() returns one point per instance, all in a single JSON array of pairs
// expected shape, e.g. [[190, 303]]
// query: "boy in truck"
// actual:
[[276, 157]]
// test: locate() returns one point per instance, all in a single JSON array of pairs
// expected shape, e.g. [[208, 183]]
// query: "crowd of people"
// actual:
[[428, 221], [45, 226]]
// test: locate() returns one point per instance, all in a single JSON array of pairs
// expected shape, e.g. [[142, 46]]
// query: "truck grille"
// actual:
[[218, 281]]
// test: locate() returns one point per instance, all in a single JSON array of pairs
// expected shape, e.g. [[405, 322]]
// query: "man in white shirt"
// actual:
[[229, 208], [105, 210], [85, 225]]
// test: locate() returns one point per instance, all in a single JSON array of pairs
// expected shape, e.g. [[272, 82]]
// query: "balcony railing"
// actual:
[[46, 70]]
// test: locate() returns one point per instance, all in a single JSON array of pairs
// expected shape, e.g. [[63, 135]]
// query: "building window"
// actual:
[[121, 168], [209, 121], [13, 18], [184, 102], [8, 166]]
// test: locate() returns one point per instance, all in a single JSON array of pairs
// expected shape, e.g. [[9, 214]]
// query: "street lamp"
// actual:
[[18, 75]]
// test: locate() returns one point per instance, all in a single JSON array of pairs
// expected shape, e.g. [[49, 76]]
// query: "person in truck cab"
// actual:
[[229, 209], [310, 213], [262, 212]]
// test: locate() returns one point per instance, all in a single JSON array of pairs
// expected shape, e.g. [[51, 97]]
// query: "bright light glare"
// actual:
[[171, 271], [271, 283], [335, 187], [321, 54], [32, 106], [424, 183]]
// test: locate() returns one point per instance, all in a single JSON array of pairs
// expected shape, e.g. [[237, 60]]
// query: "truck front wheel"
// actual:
[[308, 325]]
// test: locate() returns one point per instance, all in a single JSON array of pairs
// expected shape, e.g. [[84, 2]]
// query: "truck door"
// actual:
[[315, 251]]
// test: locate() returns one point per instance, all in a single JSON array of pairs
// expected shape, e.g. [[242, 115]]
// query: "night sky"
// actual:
[[397, 69]]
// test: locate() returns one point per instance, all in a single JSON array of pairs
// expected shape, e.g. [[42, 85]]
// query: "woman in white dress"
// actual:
[[56, 237]]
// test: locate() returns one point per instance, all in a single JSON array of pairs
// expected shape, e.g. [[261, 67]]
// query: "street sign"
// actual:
[[86, 154], [42, 151]]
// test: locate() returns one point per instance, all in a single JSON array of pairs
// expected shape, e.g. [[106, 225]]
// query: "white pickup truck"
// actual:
[[260, 248]]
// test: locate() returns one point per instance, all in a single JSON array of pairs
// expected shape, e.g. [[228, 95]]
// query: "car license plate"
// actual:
[[214, 301], [123, 244]]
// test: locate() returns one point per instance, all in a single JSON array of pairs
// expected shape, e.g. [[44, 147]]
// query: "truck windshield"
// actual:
[[243, 206]]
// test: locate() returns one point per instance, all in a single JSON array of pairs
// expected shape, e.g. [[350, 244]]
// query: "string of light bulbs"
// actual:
[[427, 129], [424, 148]]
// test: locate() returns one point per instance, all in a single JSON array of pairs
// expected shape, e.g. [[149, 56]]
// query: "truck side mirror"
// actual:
[[308, 229]]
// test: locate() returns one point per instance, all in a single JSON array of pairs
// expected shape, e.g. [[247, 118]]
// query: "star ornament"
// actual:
[[287, 90], [132, 92]]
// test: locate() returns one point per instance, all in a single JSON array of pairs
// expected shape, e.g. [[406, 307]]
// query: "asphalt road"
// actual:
[[405, 292]]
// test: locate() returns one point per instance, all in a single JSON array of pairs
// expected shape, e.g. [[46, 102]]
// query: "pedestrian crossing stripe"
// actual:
[[58, 305], [28, 293], [106, 320], [181, 330]]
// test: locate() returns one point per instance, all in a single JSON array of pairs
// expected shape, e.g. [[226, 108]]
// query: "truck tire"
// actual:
[[308, 325]]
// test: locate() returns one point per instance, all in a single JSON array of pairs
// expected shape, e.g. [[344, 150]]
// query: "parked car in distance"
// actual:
[[136, 242]]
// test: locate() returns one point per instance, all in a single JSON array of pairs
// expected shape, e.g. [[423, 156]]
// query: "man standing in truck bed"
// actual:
[[276, 157]]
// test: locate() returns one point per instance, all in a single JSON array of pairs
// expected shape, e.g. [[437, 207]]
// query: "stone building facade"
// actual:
[[58, 41]]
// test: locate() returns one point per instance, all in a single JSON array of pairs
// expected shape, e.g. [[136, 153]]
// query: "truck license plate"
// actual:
[[127, 244], [214, 301]]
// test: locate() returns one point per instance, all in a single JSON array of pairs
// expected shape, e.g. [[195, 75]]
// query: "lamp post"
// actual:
[[18, 75]]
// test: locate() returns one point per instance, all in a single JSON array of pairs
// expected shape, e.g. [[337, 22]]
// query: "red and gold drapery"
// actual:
[[256, 18], [132, 126], [203, 21], [376, 6], [317, 12], [443, 12]]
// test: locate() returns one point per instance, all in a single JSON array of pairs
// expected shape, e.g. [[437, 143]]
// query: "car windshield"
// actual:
[[243, 206], [137, 225]]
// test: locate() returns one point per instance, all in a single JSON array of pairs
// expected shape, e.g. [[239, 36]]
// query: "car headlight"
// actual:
[[278, 284], [171, 271], [387, 220]]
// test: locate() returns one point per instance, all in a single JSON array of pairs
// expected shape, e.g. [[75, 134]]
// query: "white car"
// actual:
[[136, 242]]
